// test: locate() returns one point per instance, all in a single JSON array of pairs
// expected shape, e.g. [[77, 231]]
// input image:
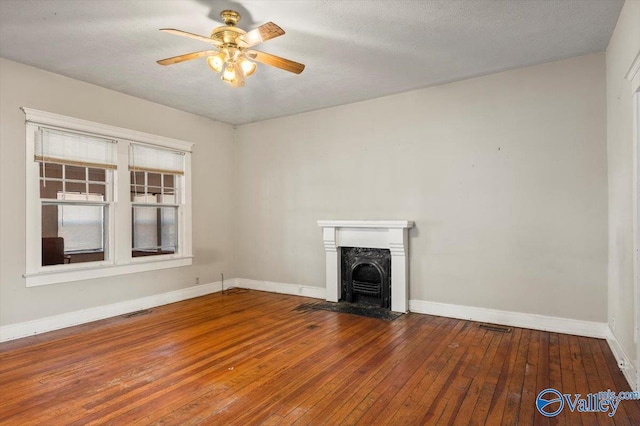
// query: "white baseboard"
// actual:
[[626, 365], [273, 287], [513, 319], [56, 322]]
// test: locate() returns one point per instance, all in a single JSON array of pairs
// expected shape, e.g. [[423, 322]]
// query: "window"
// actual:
[[155, 181], [75, 195], [103, 201]]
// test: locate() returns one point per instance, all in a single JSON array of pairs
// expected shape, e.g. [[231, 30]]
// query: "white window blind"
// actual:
[[152, 159], [81, 226], [56, 146]]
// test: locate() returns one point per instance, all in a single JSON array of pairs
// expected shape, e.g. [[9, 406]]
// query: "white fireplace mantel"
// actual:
[[384, 234]]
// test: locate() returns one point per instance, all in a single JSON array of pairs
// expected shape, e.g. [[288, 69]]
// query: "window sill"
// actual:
[[80, 274]]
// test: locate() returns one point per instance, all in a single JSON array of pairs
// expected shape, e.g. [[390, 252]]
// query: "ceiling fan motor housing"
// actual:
[[227, 35]]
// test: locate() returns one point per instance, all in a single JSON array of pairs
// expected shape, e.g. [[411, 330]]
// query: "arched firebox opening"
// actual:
[[366, 276]]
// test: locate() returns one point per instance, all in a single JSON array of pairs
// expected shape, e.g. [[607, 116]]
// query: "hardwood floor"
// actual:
[[248, 357]]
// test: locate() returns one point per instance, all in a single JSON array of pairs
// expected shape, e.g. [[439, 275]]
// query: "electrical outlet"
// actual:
[[613, 323], [197, 280]]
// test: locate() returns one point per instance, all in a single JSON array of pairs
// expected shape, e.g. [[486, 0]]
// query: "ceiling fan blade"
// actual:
[[187, 57], [275, 61], [262, 33], [191, 35]]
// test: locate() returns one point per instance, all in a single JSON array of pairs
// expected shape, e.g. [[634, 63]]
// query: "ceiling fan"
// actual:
[[233, 57]]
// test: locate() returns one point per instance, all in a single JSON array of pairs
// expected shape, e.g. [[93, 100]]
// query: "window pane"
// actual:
[[97, 175], [137, 178], [168, 229], [145, 228], [72, 234], [76, 187], [75, 172], [153, 179], [50, 189], [82, 227], [154, 230], [51, 170], [49, 221], [95, 188], [169, 181]]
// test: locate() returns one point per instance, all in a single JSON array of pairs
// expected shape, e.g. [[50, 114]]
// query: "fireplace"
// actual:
[[390, 235], [366, 276]]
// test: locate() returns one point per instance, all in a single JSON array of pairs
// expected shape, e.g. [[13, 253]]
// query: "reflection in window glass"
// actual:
[[81, 227], [72, 233], [154, 230]]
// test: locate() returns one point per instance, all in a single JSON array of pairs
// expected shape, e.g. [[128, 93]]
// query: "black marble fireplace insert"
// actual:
[[366, 276]]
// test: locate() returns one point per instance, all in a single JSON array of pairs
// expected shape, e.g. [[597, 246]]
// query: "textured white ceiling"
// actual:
[[353, 49]]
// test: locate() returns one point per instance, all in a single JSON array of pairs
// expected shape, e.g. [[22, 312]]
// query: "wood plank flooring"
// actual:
[[248, 357]]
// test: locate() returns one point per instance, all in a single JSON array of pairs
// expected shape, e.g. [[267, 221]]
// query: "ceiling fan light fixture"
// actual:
[[233, 75], [229, 73], [216, 62], [248, 67]]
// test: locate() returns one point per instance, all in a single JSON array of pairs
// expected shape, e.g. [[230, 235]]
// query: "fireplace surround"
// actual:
[[381, 234]]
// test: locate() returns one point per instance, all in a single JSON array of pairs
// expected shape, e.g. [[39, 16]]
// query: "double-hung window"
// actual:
[[103, 200], [76, 187], [155, 176]]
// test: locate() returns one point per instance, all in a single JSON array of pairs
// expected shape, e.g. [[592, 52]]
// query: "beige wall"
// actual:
[[505, 176], [21, 85], [622, 50]]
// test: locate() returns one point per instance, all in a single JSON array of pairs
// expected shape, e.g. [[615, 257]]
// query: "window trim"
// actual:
[[118, 226]]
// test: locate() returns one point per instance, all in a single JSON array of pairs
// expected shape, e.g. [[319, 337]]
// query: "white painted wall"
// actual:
[[213, 238], [621, 52], [504, 175]]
